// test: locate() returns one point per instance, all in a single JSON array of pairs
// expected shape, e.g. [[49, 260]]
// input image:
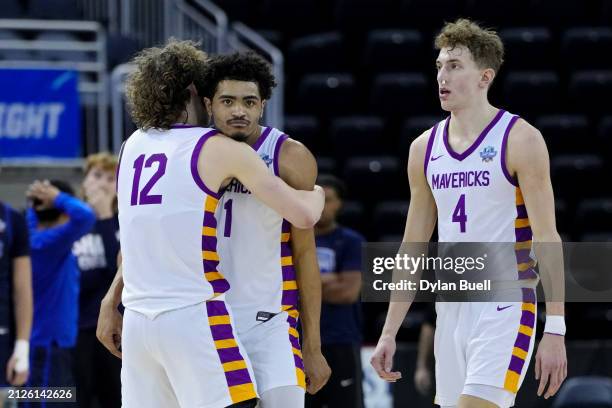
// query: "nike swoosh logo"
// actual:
[[436, 158], [499, 309]]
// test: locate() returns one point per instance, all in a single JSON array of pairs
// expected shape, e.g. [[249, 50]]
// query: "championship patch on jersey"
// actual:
[[488, 153], [267, 159]]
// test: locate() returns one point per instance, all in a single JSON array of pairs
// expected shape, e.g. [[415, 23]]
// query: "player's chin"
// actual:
[[445, 105]]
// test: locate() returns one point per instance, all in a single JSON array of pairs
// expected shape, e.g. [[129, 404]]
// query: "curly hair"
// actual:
[[485, 45], [157, 92], [239, 66]]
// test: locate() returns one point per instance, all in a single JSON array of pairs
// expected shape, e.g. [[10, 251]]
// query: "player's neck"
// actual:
[[467, 123], [252, 139]]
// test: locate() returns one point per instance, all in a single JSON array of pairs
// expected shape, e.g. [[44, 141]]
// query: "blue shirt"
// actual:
[[340, 251], [55, 274], [13, 244], [96, 253]]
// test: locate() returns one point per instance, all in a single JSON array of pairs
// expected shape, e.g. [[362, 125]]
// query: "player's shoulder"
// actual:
[[295, 155], [524, 133], [418, 147]]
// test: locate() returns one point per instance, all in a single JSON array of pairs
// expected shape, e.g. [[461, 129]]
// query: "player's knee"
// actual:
[[244, 404]]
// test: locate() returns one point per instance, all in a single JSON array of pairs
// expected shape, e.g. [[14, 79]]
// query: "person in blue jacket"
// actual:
[[56, 219]]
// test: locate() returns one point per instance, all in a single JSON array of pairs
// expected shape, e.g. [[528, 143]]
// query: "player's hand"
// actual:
[[551, 364], [17, 368], [316, 369], [382, 359], [422, 380], [110, 326], [43, 191]]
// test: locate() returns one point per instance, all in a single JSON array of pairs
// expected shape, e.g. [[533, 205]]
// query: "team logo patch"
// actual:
[[266, 160], [488, 153]]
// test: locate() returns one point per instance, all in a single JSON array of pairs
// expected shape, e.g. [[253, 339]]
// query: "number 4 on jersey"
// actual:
[[459, 214]]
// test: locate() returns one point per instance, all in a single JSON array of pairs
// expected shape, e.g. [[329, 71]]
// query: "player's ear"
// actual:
[[208, 104], [487, 77], [263, 107]]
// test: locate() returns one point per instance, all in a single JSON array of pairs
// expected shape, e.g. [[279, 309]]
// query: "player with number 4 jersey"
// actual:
[[483, 175]]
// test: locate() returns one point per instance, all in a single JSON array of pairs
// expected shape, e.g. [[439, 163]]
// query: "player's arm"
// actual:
[[297, 166], [222, 158], [17, 366], [420, 224], [110, 321], [528, 160]]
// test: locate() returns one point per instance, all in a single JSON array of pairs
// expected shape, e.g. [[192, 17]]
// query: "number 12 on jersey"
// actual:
[[459, 214]]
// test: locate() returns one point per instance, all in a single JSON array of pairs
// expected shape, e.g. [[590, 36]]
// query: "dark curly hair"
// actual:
[[239, 66], [157, 91]]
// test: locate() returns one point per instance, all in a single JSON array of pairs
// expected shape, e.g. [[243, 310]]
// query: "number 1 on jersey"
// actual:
[[459, 214], [228, 219]]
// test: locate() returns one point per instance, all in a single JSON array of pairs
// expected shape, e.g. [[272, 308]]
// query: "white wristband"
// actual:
[[22, 355], [555, 325]]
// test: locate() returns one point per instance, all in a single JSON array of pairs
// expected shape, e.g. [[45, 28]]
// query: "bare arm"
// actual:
[[528, 159], [342, 287], [298, 168], [110, 321], [222, 158], [420, 221], [22, 295]]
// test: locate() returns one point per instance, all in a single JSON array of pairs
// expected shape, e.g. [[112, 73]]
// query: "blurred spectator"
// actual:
[[15, 298], [98, 372], [56, 219], [339, 254]]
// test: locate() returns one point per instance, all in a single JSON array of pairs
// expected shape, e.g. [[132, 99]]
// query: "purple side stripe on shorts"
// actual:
[[237, 377], [299, 363], [527, 318], [216, 308], [522, 342], [222, 332], [516, 364]]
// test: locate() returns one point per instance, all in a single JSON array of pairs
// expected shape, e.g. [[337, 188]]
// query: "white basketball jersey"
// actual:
[[254, 246], [476, 197], [166, 220]]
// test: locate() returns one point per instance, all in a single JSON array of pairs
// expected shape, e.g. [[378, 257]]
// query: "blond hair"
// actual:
[[105, 161], [485, 45]]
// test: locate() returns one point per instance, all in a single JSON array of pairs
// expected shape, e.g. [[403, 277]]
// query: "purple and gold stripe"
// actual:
[[525, 269], [210, 257], [237, 375], [290, 300], [520, 351]]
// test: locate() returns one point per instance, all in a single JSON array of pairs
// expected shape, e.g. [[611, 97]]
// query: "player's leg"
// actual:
[[500, 350], [449, 353], [143, 380], [274, 349], [488, 397], [204, 360]]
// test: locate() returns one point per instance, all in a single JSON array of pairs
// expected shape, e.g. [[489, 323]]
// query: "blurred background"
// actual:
[[356, 85]]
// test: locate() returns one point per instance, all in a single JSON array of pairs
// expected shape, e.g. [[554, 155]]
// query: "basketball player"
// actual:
[[482, 351], [260, 251], [179, 344]]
